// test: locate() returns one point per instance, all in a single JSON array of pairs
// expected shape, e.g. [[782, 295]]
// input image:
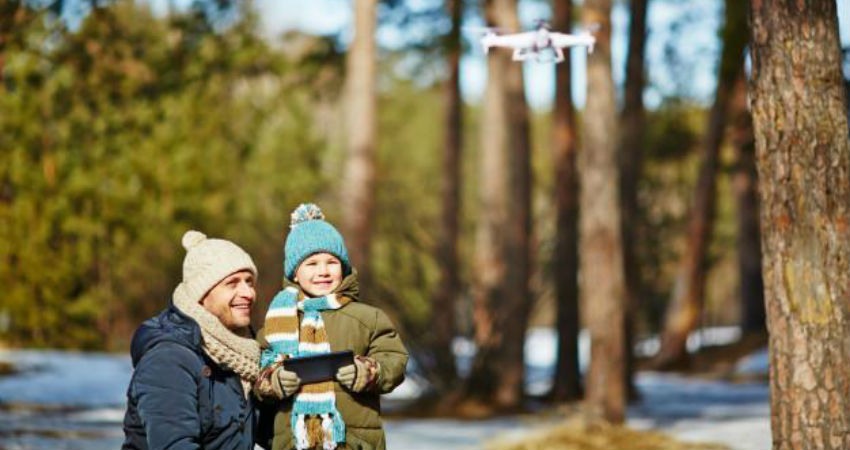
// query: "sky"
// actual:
[[696, 44]]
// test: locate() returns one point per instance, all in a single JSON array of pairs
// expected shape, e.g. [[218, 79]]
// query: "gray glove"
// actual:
[[289, 381], [360, 375]]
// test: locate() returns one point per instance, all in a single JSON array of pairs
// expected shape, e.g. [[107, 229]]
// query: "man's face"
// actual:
[[319, 274], [231, 300]]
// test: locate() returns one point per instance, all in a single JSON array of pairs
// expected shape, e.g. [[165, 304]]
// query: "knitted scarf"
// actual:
[[229, 350], [315, 420]]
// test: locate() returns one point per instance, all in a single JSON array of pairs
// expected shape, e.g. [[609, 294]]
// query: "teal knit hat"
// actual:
[[310, 234]]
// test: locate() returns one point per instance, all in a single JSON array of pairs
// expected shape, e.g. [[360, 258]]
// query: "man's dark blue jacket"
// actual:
[[179, 398]]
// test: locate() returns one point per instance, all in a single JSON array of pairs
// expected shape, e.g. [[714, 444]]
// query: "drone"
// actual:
[[538, 44]]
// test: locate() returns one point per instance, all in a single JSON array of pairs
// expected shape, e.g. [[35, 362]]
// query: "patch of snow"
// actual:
[[93, 386], [712, 336], [757, 363], [541, 347], [76, 379], [450, 434], [703, 337], [735, 414]]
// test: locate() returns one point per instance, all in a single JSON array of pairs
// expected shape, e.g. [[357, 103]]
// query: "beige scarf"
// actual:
[[239, 354]]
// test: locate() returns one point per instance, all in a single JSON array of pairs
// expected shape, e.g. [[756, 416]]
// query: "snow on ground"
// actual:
[[735, 414], [75, 401], [66, 378]]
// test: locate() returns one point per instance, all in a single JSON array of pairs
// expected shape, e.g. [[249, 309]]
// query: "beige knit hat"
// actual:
[[207, 262]]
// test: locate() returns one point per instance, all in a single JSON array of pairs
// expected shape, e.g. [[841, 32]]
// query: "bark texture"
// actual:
[[567, 384], [688, 295], [633, 122], [745, 189], [447, 254], [602, 279], [803, 159], [502, 302], [358, 183]]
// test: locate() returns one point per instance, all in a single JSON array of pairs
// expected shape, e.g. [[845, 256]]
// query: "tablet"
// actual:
[[312, 369]]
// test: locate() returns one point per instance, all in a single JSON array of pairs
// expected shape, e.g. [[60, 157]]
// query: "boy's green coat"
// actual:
[[367, 331]]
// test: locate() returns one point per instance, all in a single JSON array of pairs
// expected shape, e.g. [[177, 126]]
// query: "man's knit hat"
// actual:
[[207, 262], [310, 234]]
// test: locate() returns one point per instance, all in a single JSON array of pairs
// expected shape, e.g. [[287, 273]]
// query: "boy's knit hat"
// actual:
[[310, 234], [207, 262]]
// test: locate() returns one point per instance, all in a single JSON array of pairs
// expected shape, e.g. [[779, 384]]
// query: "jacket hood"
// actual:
[[350, 287], [170, 325]]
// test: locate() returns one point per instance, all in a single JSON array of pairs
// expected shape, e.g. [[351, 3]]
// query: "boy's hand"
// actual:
[[289, 381], [360, 375]]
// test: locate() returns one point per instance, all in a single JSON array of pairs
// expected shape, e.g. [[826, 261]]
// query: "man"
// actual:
[[194, 363]]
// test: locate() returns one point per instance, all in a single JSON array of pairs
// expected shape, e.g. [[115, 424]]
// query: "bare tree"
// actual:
[[633, 121], [447, 255], [744, 186], [799, 111], [688, 295], [501, 303], [358, 182], [601, 251], [567, 384]]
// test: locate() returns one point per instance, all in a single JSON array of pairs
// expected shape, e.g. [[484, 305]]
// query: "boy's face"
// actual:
[[231, 300], [319, 275]]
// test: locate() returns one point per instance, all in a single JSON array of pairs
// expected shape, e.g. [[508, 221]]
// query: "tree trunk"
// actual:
[[358, 183], [490, 266], [602, 279], [503, 301], [744, 186], [567, 383], [631, 159], [518, 301], [449, 286], [803, 159], [688, 296]]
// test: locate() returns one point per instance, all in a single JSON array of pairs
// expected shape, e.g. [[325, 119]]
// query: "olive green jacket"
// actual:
[[367, 331]]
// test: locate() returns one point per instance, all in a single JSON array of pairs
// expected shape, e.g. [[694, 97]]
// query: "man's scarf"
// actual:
[[229, 350], [315, 419]]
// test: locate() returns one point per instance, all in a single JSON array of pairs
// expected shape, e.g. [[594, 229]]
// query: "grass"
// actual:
[[577, 436]]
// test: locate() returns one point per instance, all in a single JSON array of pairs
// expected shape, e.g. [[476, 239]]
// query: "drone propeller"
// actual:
[[486, 30], [542, 23]]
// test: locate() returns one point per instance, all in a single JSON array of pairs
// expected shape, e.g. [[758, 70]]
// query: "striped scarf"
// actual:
[[315, 419]]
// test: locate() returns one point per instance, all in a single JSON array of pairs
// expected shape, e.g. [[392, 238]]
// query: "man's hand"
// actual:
[[289, 381], [358, 376]]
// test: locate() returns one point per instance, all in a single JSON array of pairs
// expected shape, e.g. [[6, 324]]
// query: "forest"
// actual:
[[123, 125]]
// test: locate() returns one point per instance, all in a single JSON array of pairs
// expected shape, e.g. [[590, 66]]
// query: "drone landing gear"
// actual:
[[542, 56], [559, 55], [520, 54]]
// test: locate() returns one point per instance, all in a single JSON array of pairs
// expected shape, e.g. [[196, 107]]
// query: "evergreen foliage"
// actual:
[[121, 135]]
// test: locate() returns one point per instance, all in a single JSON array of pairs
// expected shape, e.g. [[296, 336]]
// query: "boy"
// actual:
[[317, 312]]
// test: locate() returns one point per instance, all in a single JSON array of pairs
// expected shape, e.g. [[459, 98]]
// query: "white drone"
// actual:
[[537, 44]]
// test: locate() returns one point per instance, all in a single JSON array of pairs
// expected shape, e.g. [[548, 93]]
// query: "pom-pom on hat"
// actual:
[[310, 234], [207, 262]]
